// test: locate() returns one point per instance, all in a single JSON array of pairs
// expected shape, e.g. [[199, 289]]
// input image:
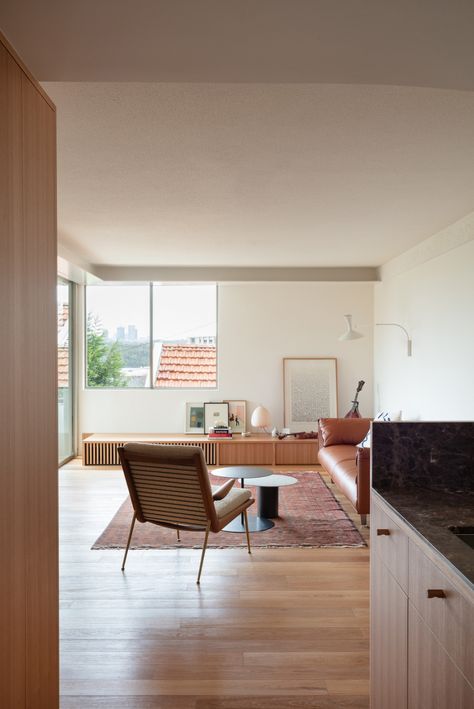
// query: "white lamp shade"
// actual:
[[260, 417], [350, 334]]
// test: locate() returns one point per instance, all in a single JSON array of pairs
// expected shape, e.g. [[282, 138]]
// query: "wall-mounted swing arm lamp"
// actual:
[[351, 334], [395, 324]]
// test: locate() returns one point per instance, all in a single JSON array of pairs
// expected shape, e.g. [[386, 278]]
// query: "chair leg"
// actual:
[[203, 552], [129, 540], [177, 534], [363, 520], [247, 531]]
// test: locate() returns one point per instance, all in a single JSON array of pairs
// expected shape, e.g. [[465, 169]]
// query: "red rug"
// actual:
[[310, 516]]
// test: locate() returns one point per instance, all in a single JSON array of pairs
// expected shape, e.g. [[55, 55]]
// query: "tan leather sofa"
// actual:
[[346, 463]]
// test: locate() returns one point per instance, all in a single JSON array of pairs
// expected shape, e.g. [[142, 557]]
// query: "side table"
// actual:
[[256, 523], [268, 496]]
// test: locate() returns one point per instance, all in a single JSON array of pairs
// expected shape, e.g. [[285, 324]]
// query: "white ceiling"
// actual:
[[399, 42], [262, 175], [244, 133]]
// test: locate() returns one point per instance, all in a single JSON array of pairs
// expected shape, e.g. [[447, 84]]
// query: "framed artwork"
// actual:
[[216, 413], [309, 390], [238, 416], [194, 417]]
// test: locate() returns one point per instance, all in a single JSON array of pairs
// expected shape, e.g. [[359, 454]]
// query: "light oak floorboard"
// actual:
[[282, 629]]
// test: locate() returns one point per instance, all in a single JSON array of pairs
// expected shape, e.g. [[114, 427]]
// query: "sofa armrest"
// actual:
[[363, 480]]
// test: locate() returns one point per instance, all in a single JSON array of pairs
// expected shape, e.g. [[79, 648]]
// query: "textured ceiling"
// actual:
[[398, 42], [254, 133], [261, 175]]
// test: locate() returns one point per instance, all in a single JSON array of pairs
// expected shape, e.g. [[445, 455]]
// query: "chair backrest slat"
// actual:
[[168, 484]]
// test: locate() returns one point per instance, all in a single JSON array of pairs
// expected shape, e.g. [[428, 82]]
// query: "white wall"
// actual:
[[259, 324], [434, 300]]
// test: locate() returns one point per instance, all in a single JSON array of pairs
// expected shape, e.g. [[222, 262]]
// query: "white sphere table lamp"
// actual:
[[261, 418]]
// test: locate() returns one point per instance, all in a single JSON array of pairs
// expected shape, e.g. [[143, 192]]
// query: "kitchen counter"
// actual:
[[430, 514], [425, 471]]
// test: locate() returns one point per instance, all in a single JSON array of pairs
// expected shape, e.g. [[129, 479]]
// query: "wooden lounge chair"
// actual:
[[169, 486]]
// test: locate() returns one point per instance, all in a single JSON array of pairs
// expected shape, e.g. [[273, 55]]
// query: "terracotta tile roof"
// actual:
[[63, 366], [187, 366]]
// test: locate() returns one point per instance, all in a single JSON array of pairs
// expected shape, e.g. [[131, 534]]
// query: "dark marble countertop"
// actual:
[[431, 513]]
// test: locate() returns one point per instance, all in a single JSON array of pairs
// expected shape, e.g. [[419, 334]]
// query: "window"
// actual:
[[184, 336], [65, 371], [151, 335], [118, 336]]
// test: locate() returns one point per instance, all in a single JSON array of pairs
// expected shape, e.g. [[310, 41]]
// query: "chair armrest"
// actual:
[[223, 490]]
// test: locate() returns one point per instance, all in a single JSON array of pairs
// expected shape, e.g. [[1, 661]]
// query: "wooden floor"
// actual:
[[281, 629]]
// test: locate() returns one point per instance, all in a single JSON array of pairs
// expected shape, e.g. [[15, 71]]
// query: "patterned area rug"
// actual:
[[310, 516]]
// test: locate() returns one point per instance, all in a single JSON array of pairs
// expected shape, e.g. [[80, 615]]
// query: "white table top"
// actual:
[[273, 481]]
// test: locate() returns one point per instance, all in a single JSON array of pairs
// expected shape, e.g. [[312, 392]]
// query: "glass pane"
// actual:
[[118, 336], [184, 336], [65, 378]]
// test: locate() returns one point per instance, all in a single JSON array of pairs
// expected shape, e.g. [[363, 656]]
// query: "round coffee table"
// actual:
[[268, 495], [246, 472]]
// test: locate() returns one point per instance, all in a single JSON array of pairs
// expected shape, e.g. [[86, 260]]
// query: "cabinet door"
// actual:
[[389, 618], [233, 453], [434, 681], [451, 619], [389, 541]]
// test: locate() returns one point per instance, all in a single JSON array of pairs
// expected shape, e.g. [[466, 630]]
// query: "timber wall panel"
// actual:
[[29, 675]]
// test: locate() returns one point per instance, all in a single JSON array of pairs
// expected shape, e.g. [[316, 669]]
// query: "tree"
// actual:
[[104, 361]]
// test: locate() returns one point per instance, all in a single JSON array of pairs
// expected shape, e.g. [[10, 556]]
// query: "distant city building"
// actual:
[[203, 340], [120, 333], [132, 333]]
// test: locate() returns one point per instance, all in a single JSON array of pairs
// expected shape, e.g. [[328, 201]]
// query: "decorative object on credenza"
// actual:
[[194, 417], [216, 413], [237, 415], [261, 419], [299, 435], [353, 412], [351, 334], [310, 391], [220, 431]]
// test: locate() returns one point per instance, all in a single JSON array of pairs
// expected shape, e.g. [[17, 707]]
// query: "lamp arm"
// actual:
[[395, 324]]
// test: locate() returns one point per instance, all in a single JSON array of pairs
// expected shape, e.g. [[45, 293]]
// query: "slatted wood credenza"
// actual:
[[101, 448]]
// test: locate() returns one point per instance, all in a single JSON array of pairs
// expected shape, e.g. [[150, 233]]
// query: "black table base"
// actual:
[[268, 502]]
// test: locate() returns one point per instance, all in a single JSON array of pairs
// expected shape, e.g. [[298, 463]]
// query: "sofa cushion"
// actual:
[[333, 455], [342, 431], [235, 498]]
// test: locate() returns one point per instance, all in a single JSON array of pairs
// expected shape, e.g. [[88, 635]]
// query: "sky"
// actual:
[[179, 311]]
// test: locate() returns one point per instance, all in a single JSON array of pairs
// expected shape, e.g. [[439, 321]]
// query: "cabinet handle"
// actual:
[[436, 593], [383, 532]]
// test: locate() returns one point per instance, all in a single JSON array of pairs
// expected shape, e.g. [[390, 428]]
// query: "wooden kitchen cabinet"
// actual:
[[422, 621]]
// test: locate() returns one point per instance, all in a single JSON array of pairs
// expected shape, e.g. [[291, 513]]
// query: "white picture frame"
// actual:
[[309, 391], [237, 415], [194, 418], [215, 412]]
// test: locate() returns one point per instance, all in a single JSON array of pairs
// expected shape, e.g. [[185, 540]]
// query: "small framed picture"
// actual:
[[194, 417], [216, 413], [238, 416]]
